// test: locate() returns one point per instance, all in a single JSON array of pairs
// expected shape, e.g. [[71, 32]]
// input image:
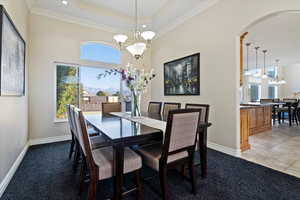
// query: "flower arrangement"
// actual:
[[136, 80]]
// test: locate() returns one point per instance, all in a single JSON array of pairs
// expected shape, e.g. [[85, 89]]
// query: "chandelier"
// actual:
[[277, 80], [141, 40]]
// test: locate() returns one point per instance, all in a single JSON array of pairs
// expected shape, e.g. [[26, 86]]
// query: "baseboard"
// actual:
[[12, 171], [224, 149], [49, 140]]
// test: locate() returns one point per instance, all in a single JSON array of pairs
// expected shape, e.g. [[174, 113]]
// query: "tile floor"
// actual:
[[278, 149]]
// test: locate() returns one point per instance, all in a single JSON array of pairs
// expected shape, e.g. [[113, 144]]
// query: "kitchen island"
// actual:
[[254, 118]]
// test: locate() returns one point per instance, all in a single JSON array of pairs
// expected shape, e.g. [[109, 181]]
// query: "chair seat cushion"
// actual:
[[104, 159], [152, 153]]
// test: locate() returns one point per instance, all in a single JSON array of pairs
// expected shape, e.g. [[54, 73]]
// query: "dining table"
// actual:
[[122, 130]]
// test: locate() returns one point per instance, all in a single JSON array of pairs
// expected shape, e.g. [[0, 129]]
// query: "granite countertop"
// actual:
[[253, 105]]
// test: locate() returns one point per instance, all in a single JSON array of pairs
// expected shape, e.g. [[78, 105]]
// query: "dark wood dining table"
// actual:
[[123, 133]]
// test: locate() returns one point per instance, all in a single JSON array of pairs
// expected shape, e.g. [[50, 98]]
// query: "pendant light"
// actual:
[[247, 72], [257, 74], [264, 76]]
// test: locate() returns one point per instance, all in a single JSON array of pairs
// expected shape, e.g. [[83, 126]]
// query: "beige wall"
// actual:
[[14, 110], [53, 40], [214, 34]]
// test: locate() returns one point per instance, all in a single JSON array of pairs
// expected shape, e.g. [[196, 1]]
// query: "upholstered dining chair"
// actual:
[[168, 107], [266, 100], [154, 107], [177, 149], [96, 138], [111, 107], [100, 162], [204, 119]]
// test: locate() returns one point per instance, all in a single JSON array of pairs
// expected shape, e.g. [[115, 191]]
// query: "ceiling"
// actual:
[[280, 35], [146, 8], [118, 15]]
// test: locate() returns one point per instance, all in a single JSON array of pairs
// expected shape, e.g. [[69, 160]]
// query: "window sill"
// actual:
[[56, 121]]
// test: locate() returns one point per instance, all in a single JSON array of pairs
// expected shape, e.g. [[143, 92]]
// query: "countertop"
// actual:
[[254, 105]]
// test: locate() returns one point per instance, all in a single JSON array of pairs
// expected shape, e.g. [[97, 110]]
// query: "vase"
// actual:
[[135, 104]]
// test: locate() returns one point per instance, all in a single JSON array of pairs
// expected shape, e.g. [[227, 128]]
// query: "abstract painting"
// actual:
[[182, 76], [12, 56]]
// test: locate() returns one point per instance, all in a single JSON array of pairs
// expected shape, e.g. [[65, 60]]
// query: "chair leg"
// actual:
[[139, 185], [82, 176], [192, 172], [163, 182], [92, 190], [72, 147], [76, 157]]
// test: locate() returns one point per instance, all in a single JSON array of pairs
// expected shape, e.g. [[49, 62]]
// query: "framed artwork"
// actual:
[[182, 76], [12, 57]]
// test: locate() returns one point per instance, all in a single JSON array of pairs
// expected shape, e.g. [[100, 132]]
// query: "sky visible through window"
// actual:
[[88, 75], [101, 53]]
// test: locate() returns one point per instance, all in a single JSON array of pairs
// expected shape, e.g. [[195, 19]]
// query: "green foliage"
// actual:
[[66, 89], [101, 93], [117, 94]]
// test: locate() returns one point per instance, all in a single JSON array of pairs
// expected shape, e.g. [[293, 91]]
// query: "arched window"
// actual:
[[100, 52]]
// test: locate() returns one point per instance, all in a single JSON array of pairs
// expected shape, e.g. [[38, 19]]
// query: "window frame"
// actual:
[[82, 64]]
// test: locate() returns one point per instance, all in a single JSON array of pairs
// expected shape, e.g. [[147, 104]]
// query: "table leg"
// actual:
[[119, 166], [290, 115], [203, 152]]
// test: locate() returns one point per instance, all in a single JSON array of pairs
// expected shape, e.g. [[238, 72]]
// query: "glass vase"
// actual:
[[135, 104]]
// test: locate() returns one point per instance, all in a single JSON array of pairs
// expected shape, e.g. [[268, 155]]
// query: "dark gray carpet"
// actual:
[[46, 174]]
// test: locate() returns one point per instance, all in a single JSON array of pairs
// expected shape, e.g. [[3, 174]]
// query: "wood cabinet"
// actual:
[[245, 129], [260, 119], [254, 120]]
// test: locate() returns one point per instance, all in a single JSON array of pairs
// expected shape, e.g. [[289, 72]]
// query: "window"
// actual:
[[272, 72], [100, 52], [80, 86], [255, 92], [273, 92]]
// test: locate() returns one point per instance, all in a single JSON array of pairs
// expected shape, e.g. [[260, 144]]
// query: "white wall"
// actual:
[[14, 110], [214, 34], [292, 76], [54, 40]]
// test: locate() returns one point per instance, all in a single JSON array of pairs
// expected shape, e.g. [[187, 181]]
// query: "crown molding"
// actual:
[[161, 30], [74, 20], [180, 20]]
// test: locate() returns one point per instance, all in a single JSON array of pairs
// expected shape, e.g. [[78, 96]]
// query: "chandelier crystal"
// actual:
[[141, 40]]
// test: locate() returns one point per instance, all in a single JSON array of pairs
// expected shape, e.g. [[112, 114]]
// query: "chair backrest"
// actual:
[[83, 137], [204, 110], [266, 100], [70, 119], [154, 107], [181, 131], [290, 100], [276, 100], [111, 107], [168, 107]]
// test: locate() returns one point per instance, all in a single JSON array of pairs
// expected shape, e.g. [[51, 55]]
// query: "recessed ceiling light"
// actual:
[[65, 2], [144, 26]]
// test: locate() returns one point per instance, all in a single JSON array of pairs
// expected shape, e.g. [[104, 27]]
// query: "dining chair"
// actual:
[[97, 139], [72, 130], [154, 107], [111, 107], [100, 162], [266, 100], [204, 119], [168, 107], [177, 149]]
